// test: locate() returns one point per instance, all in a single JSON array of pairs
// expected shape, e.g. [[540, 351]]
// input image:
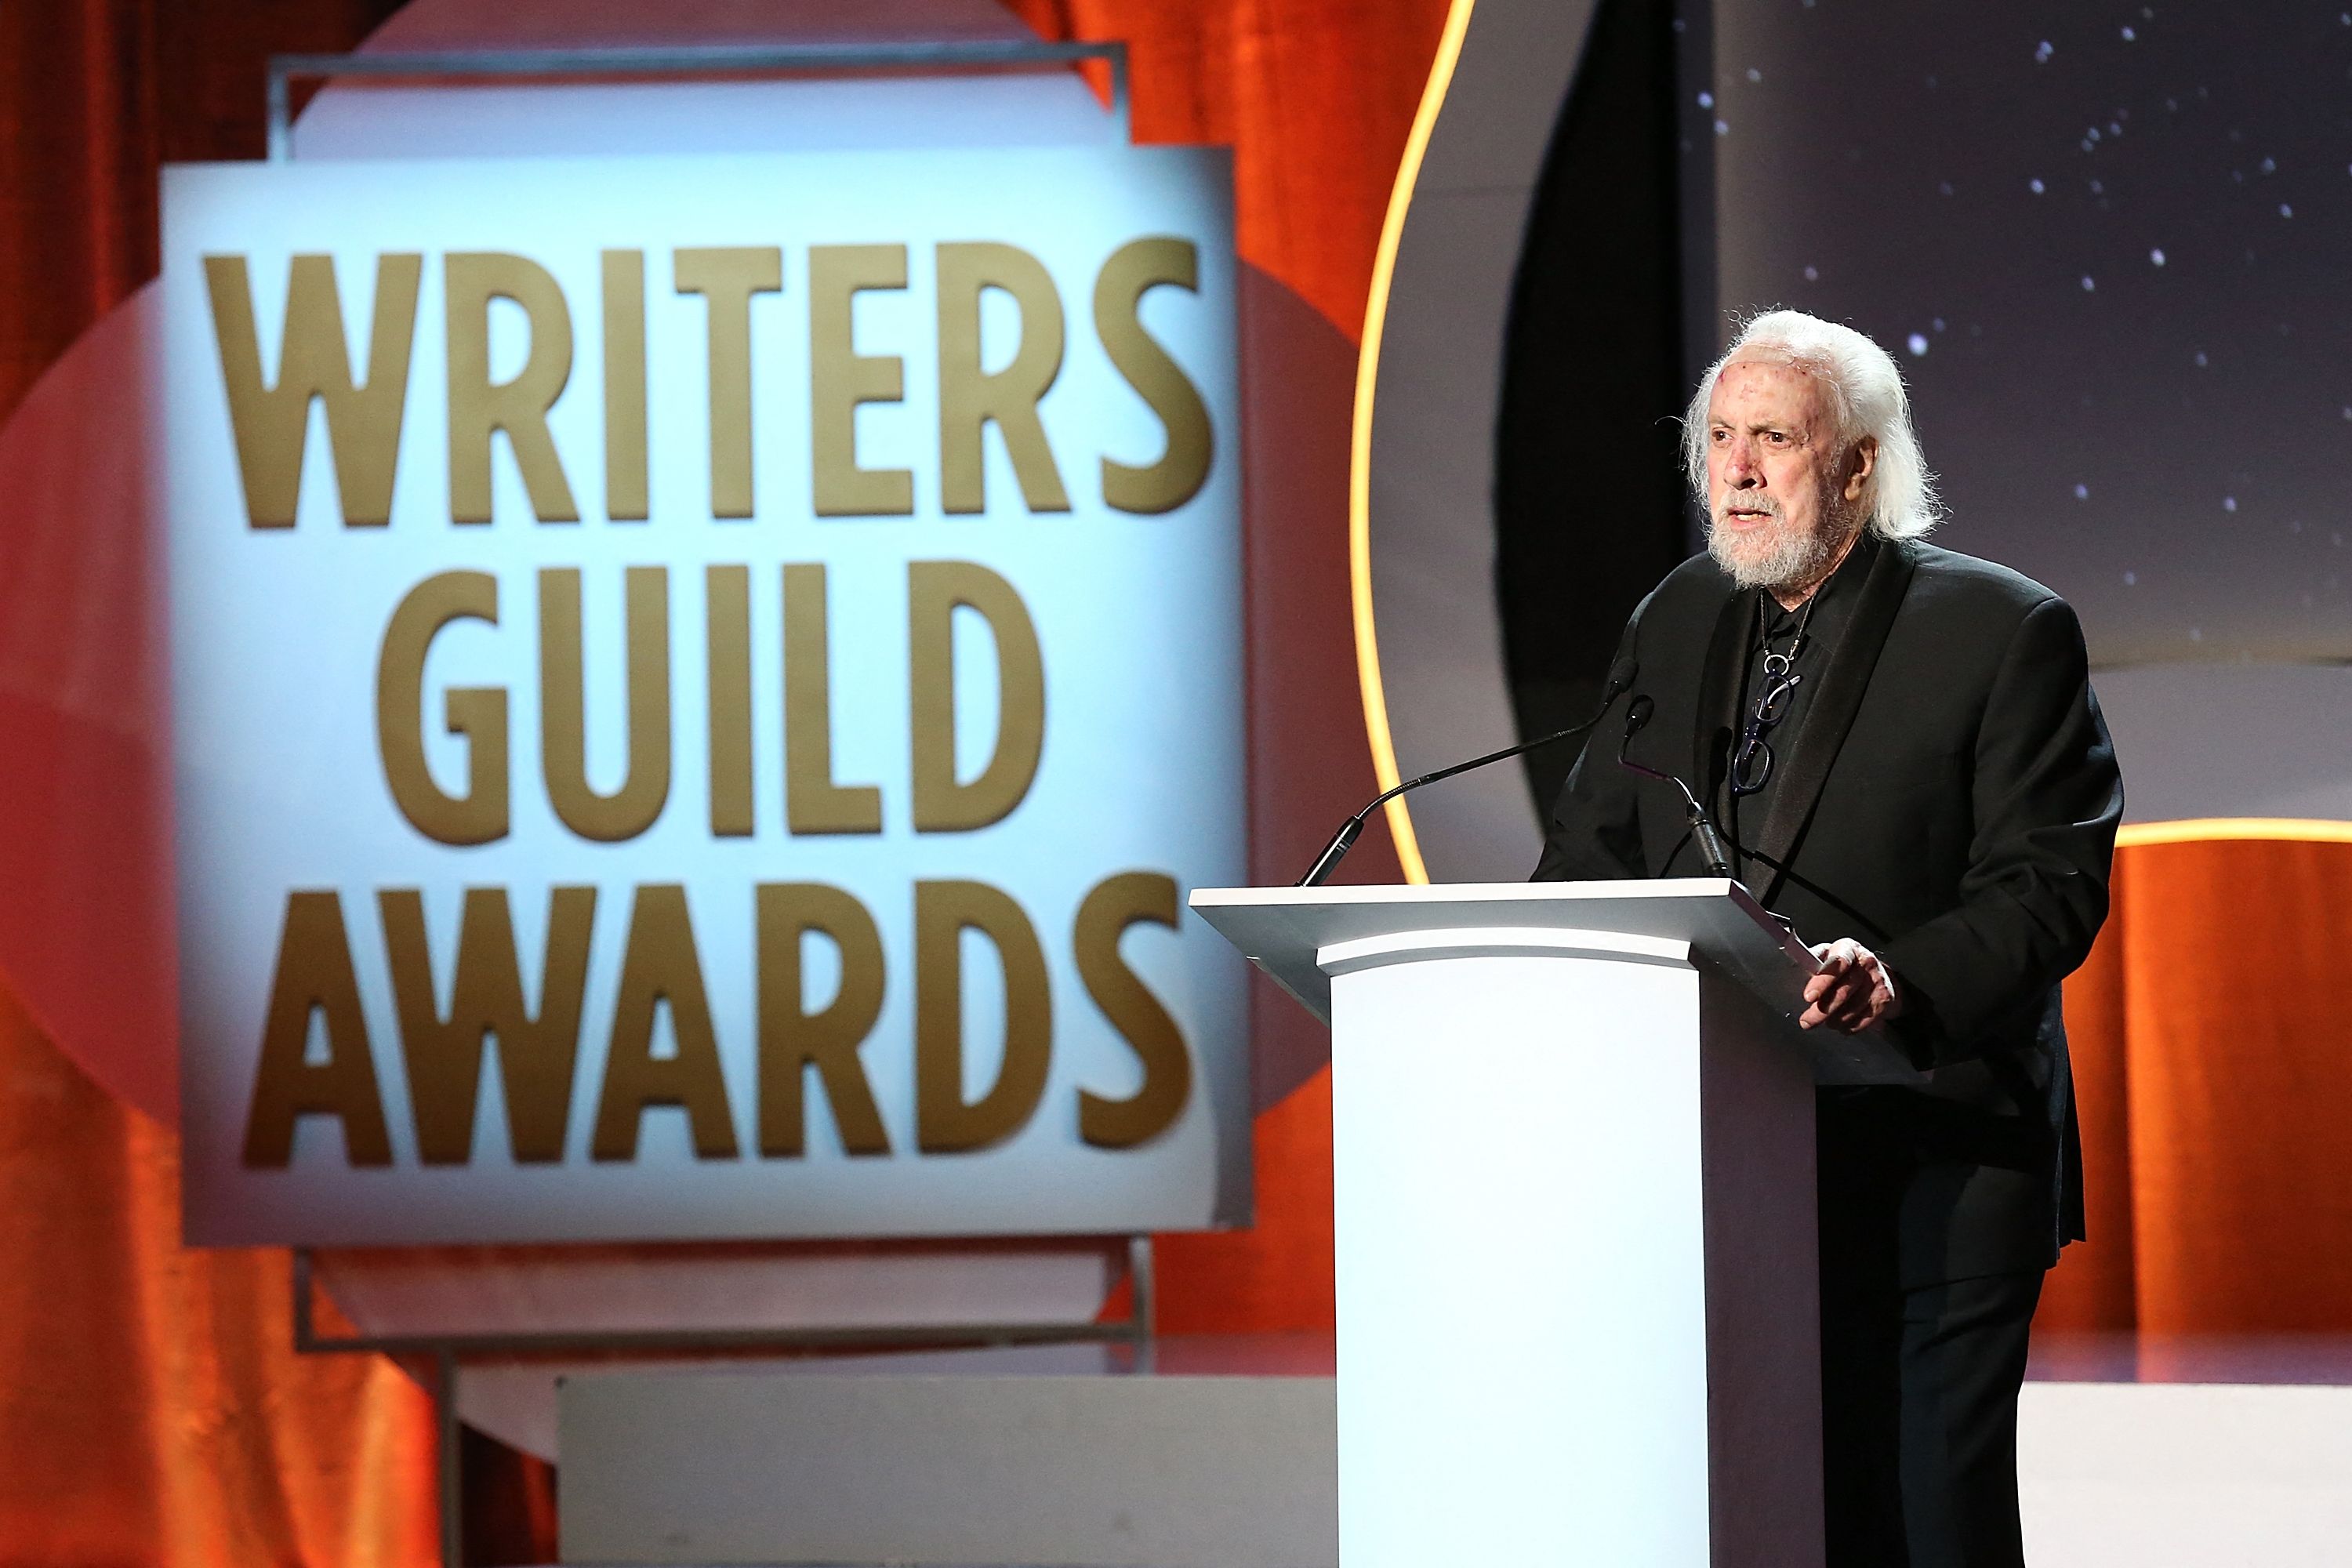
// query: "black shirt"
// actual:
[[1831, 607]]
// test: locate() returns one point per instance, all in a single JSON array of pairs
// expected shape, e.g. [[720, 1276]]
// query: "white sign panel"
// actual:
[[699, 688]]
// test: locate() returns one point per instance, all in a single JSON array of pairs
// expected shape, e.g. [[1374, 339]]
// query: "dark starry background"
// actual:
[[2111, 245]]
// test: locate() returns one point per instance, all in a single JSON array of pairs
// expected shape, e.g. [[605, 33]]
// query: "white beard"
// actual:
[[1778, 557]]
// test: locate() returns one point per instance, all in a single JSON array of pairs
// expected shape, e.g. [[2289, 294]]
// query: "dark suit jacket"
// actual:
[[1950, 803]]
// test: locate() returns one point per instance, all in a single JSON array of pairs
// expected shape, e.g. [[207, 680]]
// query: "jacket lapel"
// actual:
[[1717, 717], [1830, 713]]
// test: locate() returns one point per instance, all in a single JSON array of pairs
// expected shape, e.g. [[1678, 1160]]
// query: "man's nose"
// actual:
[[1739, 464]]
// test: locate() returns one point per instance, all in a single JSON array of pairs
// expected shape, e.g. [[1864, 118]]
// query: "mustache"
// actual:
[[1755, 502]]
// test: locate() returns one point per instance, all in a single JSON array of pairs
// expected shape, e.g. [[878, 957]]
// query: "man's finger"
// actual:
[[1871, 1011], [1852, 1012], [1834, 1002], [1859, 1006]]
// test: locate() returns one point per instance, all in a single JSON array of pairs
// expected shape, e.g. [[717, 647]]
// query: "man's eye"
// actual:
[[1777, 438], [1720, 438]]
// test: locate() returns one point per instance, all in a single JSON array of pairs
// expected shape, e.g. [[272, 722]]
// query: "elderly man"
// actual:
[[1903, 749]]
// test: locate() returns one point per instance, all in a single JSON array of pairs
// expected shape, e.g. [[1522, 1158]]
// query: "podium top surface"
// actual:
[[1283, 931]]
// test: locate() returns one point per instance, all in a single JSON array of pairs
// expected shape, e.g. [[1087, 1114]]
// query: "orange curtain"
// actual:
[[155, 1409], [2213, 1031], [95, 97], [1315, 98]]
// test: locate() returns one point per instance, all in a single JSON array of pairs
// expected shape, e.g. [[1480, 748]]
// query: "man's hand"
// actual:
[[1852, 991]]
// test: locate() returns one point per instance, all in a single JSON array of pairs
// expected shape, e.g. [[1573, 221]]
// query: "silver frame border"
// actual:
[[709, 60]]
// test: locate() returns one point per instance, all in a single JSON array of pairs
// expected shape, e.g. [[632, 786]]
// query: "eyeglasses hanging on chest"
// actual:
[[1751, 758]]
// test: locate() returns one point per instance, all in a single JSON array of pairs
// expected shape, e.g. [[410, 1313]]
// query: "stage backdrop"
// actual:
[[699, 686]]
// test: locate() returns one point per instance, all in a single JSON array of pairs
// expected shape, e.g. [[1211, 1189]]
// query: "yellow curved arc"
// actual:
[[2205, 829], [1359, 448]]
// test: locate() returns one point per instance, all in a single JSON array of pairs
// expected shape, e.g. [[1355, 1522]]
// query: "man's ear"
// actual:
[[1860, 463]]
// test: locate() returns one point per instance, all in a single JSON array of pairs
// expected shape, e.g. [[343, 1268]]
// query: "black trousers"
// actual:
[[1919, 1418]]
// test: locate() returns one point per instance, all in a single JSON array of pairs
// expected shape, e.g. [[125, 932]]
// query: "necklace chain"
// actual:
[[1777, 665], [1751, 759]]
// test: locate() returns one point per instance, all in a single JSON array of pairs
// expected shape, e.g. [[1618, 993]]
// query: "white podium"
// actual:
[[1573, 1143]]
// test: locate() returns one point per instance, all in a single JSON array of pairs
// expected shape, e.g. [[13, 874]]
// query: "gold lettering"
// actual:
[[945, 1122], [972, 398], [941, 803], [791, 1040], [272, 422], [727, 590], [812, 802], [445, 1055], [726, 277], [840, 379], [1114, 904], [662, 965], [564, 739], [477, 712], [1132, 270], [314, 975], [478, 407], [624, 386]]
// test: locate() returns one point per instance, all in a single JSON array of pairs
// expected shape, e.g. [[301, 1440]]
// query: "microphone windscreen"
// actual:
[[1620, 676], [1638, 712]]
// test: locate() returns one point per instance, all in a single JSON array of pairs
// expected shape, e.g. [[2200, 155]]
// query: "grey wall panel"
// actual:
[[1439, 379], [2231, 740]]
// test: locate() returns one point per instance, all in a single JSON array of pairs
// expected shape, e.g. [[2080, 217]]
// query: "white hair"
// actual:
[[1864, 389]]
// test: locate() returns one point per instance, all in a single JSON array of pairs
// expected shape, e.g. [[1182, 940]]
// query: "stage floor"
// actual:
[[2187, 1451], [2151, 1452]]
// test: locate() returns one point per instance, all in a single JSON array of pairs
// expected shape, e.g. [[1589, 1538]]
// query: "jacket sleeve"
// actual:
[[2046, 800], [1594, 834]]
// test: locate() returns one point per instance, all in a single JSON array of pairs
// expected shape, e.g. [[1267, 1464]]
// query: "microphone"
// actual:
[[1710, 844], [1620, 676]]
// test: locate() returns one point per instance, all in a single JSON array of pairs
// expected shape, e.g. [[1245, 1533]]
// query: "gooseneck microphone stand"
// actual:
[[1620, 677], [1702, 826]]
